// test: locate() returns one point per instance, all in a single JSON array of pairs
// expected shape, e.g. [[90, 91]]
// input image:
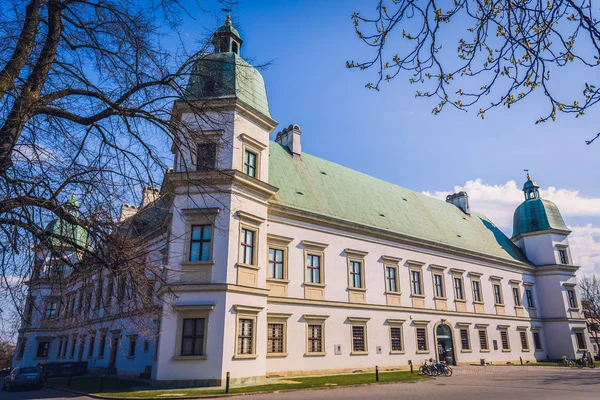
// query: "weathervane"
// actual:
[[528, 177], [228, 11]]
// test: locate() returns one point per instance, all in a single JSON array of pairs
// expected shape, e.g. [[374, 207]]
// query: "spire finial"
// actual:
[[528, 176]]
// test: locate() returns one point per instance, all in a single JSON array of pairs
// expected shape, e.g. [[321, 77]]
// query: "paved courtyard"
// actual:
[[468, 382]]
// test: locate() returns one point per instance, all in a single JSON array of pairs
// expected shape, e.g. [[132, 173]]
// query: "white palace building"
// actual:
[[286, 264]]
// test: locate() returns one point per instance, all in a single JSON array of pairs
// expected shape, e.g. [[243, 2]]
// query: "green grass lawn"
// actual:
[[132, 389]]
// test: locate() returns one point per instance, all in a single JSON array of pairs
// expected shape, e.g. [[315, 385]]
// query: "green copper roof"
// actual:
[[335, 191], [227, 75], [229, 29], [64, 229], [534, 215]]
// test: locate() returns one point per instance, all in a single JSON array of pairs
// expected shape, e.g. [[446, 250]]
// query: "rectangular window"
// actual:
[[438, 282], [43, 349], [132, 346], [81, 347], [504, 340], [524, 341], [73, 347], [476, 291], [245, 336], [415, 278], [206, 157], [50, 310], [356, 274], [65, 346], [359, 344], [391, 284], [91, 345], [250, 163], [529, 296], [516, 296], [313, 268], [421, 339], [315, 338], [21, 350], [192, 337], [99, 289], [275, 264], [580, 341], [247, 247], [483, 340], [396, 338], [102, 345], [60, 346], [275, 338], [572, 299], [464, 339], [29, 308], [109, 293], [497, 294], [563, 256], [200, 242], [146, 346], [537, 342], [458, 289]]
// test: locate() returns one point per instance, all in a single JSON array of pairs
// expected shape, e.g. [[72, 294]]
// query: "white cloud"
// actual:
[[498, 202]]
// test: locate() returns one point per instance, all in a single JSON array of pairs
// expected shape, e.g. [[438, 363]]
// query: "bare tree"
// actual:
[[86, 94], [463, 51], [589, 286]]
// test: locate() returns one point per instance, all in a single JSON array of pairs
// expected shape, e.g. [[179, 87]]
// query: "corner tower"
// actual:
[[539, 229]]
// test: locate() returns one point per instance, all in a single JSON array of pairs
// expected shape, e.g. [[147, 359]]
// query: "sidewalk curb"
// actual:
[[224, 395]]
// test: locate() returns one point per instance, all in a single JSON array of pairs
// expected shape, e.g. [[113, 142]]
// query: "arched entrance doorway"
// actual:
[[445, 344]]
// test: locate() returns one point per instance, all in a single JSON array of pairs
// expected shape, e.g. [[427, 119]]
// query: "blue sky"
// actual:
[[393, 136]]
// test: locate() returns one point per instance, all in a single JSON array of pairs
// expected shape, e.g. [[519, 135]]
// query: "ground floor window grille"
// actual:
[[396, 337], [192, 341], [245, 332], [358, 339], [421, 339], [315, 338], [580, 341], [524, 343], [504, 340], [464, 339], [483, 341], [275, 338], [43, 349]]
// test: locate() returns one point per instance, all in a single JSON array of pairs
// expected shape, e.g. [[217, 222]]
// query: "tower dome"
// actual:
[[536, 214], [225, 75], [73, 233]]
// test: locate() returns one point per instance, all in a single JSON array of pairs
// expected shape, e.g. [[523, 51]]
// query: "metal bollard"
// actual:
[[70, 379], [411, 366], [227, 383], [376, 373], [101, 388], [521, 358]]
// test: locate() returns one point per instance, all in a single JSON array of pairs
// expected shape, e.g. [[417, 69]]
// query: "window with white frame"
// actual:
[[313, 268], [562, 255], [572, 298], [458, 288], [247, 246], [391, 278], [250, 163], [356, 274], [415, 279], [497, 294], [276, 263], [516, 296], [438, 285], [476, 290], [50, 311], [43, 349], [529, 297]]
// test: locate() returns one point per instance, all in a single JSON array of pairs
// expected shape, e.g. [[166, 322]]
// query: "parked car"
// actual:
[[21, 377]]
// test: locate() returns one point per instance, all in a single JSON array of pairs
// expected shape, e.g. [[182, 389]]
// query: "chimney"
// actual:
[[127, 211], [460, 200], [149, 194], [290, 138]]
